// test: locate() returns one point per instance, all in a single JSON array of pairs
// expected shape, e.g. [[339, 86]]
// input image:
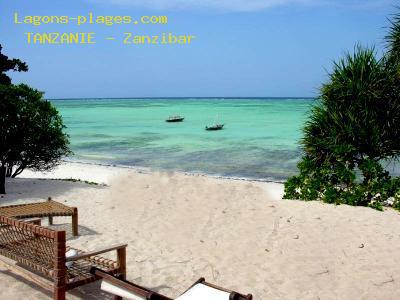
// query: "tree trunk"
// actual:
[[18, 171], [3, 180], [9, 171]]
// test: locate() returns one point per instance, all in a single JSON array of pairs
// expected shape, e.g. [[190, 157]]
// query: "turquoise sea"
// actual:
[[259, 140]]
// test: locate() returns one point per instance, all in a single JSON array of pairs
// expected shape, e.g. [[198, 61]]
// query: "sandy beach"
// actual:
[[237, 234]]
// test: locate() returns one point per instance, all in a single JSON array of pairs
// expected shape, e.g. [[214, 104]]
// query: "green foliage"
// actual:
[[376, 205], [356, 116], [393, 38], [338, 184], [7, 64], [351, 129], [31, 130]]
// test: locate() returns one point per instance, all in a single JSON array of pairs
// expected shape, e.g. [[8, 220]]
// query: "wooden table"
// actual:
[[49, 208]]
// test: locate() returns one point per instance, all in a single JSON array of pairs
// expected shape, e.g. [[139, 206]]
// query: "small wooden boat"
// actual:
[[175, 119], [215, 127]]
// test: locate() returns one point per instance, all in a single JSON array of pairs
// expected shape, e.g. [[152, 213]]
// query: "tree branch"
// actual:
[[18, 171]]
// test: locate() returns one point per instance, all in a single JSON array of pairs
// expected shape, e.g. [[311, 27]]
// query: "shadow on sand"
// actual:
[[24, 190], [83, 230]]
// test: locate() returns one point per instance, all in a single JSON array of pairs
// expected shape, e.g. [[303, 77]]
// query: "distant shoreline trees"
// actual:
[[31, 130], [352, 129]]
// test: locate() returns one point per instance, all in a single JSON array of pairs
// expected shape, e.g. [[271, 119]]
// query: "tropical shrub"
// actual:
[[351, 130]]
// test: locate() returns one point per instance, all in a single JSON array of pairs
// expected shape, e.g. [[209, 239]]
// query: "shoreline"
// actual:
[[149, 170], [103, 174]]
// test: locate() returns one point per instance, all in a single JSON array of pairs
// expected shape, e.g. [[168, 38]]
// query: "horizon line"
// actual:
[[213, 97]]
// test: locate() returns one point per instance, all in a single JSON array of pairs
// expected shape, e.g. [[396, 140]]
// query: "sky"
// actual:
[[242, 48]]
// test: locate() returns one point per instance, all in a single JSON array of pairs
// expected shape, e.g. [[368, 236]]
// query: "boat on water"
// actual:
[[172, 119], [215, 127]]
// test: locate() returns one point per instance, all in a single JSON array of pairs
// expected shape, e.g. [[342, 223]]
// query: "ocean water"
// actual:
[[259, 140]]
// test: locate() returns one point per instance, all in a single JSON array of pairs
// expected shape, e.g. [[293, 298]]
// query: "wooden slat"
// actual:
[[59, 276], [121, 259], [129, 286], [35, 221], [75, 222], [96, 252], [47, 232], [233, 294], [39, 280]]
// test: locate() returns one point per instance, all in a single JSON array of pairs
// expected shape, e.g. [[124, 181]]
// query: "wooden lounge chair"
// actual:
[[200, 290], [49, 208], [39, 255]]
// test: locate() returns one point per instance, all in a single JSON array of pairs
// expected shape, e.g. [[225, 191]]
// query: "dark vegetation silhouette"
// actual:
[[31, 130], [7, 64]]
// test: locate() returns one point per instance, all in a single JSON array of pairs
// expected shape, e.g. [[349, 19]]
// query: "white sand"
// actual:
[[237, 234]]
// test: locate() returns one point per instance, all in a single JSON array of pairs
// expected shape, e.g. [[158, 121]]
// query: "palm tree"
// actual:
[[358, 114], [393, 39], [353, 127]]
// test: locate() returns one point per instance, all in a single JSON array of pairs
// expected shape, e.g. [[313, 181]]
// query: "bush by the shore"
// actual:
[[352, 129]]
